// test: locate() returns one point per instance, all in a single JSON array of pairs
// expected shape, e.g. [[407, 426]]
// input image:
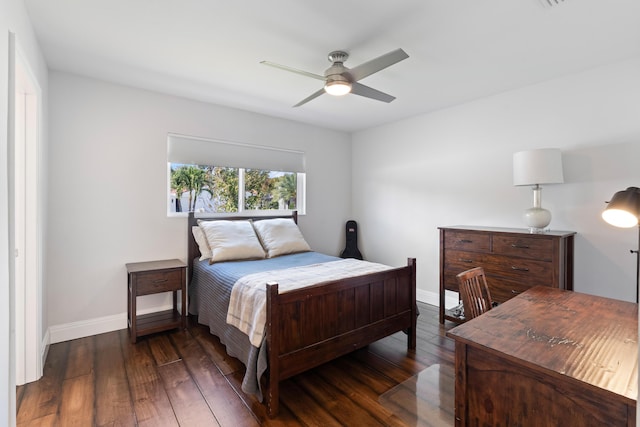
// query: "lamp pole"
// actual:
[[637, 252]]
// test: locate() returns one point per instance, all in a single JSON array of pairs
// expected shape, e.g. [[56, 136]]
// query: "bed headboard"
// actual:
[[192, 246]]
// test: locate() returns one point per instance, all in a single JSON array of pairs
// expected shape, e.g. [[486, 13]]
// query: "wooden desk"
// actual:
[[548, 357]]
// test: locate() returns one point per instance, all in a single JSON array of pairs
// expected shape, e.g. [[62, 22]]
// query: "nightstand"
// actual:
[[153, 277]]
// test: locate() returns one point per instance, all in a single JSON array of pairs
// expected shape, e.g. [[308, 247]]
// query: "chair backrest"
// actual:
[[476, 298]]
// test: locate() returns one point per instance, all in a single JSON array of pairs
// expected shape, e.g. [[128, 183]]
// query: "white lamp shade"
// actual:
[[542, 166]]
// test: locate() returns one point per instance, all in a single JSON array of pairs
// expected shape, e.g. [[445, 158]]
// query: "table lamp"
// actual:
[[537, 167], [623, 211]]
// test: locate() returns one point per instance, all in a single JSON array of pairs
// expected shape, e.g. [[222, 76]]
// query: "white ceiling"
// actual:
[[210, 50]]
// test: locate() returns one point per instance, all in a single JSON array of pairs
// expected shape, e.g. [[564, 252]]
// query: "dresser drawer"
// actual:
[[523, 270], [526, 247], [466, 241], [158, 281], [460, 261], [503, 289]]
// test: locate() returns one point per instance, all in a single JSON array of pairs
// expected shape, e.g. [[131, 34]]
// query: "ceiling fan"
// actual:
[[340, 80]]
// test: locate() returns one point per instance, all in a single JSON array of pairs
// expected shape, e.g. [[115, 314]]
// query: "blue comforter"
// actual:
[[209, 295]]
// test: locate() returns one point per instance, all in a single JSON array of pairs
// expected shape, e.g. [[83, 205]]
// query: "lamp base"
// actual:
[[537, 219]]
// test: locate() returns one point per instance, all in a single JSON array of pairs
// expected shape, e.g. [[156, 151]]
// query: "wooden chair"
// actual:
[[476, 298]]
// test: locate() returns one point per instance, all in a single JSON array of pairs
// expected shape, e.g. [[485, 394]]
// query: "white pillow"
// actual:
[[201, 240], [231, 240], [280, 236]]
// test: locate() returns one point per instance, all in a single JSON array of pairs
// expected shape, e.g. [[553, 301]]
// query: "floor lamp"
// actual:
[[623, 211]]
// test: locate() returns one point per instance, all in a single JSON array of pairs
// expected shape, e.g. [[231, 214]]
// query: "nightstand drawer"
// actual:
[[155, 277], [527, 247], [461, 240], [158, 281]]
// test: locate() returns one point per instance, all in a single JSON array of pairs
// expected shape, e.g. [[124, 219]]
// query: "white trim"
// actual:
[[28, 308], [8, 376], [101, 325], [44, 347], [433, 298], [427, 297], [86, 328], [95, 326]]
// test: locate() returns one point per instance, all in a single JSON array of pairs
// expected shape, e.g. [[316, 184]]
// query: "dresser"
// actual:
[[514, 260]]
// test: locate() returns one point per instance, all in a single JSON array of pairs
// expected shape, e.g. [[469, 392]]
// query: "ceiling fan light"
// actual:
[[337, 87]]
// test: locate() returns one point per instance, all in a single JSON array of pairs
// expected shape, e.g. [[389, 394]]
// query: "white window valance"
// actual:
[[201, 151]]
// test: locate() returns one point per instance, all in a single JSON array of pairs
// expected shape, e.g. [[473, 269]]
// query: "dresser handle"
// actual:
[[517, 246], [513, 267], [465, 241], [468, 261], [513, 291], [160, 280]]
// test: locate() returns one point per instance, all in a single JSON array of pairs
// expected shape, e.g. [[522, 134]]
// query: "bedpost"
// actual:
[[273, 347], [192, 246], [411, 335]]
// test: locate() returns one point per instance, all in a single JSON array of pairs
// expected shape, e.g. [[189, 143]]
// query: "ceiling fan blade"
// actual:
[[310, 97], [380, 63], [369, 92], [293, 70]]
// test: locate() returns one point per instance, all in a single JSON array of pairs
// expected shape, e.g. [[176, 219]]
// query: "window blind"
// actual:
[[202, 151]]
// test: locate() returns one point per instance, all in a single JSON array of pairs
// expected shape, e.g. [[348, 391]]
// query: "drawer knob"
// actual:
[[160, 280], [519, 246], [465, 241], [468, 261], [516, 268]]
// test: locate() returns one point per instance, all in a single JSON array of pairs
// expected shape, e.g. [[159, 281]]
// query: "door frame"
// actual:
[[25, 112]]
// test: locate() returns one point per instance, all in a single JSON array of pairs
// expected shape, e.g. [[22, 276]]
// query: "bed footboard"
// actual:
[[313, 325]]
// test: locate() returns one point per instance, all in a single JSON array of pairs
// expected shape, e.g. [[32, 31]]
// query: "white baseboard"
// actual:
[[89, 327], [86, 328], [101, 325], [433, 298], [427, 297]]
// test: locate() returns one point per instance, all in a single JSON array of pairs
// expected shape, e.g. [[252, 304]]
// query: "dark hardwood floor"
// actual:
[[185, 378]]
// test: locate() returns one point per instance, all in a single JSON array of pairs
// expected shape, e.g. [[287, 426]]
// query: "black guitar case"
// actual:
[[351, 249]]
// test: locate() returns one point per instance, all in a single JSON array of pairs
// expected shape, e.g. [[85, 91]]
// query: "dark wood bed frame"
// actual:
[[313, 325]]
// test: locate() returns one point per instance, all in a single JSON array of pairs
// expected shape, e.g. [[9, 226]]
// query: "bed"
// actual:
[[355, 310]]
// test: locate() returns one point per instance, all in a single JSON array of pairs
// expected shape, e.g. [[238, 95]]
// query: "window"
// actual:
[[215, 176]]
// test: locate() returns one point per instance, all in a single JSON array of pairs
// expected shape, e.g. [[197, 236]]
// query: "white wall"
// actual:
[[14, 19], [454, 167], [107, 181]]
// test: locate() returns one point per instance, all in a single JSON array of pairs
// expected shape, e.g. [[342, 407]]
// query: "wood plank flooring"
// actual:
[[185, 378]]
